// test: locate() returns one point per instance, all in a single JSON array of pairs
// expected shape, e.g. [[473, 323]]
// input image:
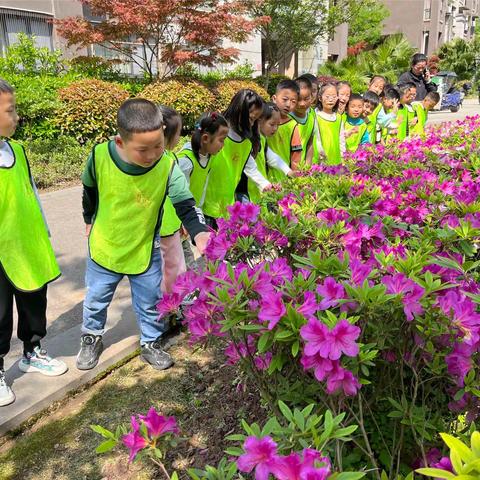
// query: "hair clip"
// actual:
[[197, 126], [214, 116]]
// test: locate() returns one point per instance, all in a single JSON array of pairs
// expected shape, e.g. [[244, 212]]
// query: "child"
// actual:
[[235, 158], [406, 115], [305, 117], [356, 133], [126, 181], [286, 142], [330, 124], [387, 117], [377, 85], [27, 261], [421, 109], [266, 157], [314, 81], [173, 260], [371, 109], [344, 90]]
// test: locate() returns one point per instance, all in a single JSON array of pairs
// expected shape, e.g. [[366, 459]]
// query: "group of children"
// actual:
[[139, 198]]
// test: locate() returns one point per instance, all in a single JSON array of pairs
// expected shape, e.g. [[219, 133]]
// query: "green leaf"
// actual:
[[475, 443], [106, 446], [286, 412], [234, 451], [436, 473], [347, 476], [102, 431], [459, 447]]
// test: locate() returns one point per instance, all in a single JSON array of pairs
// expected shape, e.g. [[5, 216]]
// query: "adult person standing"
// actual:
[[420, 76]]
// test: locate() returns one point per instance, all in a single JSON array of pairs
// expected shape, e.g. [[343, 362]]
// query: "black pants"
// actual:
[[32, 320]]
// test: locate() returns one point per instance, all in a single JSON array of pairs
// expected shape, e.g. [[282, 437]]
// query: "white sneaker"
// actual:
[[6, 394], [39, 361]]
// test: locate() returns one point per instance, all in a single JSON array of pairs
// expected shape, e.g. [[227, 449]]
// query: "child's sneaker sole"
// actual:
[[29, 368], [7, 400]]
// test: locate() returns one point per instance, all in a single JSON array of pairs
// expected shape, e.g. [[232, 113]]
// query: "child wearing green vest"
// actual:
[[377, 85], [406, 115], [234, 163], [266, 159], [356, 132], [286, 142], [126, 181], [421, 110], [27, 261], [387, 117], [371, 109], [344, 90], [173, 260], [330, 125]]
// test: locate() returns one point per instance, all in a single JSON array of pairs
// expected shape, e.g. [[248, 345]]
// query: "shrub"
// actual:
[[270, 83], [188, 97], [97, 67], [89, 109], [56, 162], [226, 89]]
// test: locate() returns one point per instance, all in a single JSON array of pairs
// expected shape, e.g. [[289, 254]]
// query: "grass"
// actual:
[[198, 391]]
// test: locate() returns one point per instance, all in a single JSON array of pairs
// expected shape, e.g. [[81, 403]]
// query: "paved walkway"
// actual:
[[470, 107], [35, 392]]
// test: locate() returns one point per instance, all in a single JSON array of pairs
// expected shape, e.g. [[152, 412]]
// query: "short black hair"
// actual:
[[371, 97], [209, 122], [138, 115], [288, 84], [5, 87], [268, 109], [355, 96], [172, 121], [435, 96], [304, 82], [377, 76], [404, 87], [310, 76], [419, 57], [391, 93]]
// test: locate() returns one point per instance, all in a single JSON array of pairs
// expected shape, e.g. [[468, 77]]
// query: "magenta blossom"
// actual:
[[309, 306], [158, 425], [399, 284], [322, 367], [272, 309], [332, 292], [341, 379], [170, 302], [134, 441], [260, 454]]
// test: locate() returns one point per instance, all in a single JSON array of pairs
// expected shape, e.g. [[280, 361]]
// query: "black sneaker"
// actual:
[[91, 347], [153, 354]]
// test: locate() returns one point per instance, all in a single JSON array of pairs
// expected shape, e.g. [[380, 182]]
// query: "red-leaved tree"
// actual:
[[161, 35]]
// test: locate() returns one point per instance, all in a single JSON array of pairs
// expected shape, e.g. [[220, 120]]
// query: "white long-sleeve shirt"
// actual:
[[275, 161], [331, 117]]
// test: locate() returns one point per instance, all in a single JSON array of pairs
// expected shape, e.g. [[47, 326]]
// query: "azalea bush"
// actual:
[[355, 287]]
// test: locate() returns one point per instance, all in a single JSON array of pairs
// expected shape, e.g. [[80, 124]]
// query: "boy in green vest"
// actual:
[[286, 142], [355, 128], [371, 109], [406, 115], [306, 119], [126, 181], [421, 110], [387, 116], [27, 261]]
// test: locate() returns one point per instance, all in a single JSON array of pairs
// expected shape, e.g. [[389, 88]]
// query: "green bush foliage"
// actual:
[[56, 161], [270, 83], [89, 108], [226, 89], [188, 97]]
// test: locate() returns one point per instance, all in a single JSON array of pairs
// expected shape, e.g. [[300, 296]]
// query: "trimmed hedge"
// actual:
[[226, 89]]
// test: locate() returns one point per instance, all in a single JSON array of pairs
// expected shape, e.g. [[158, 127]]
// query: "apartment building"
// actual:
[[429, 23]]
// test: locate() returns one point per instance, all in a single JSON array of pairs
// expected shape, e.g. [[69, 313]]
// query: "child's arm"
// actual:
[[186, 209], [343, 147], [186, 167], [275, 161], [252, 172], [89, 195], [295, 149]]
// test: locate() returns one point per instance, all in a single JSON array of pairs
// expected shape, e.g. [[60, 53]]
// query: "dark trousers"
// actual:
[[32, 320]]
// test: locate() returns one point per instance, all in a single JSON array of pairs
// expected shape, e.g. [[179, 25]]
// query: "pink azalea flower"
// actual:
[[412, 292], [272, 309], [260, 454], [332, 215], [158, 425], [331, 291], [170, 302], [201, 328], [262, 362], [309, 306], [342, 340], [289, 467], [134, 441], [316, 335], [322, 367], [359, 271], [341, 379], [264, 284], [280, 271]]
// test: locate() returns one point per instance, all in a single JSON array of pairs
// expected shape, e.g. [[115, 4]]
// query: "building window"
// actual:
[[427, 10], [426, 38], [13, 22]]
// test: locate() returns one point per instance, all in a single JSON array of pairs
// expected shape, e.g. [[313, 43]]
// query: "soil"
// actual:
[[200, 391]]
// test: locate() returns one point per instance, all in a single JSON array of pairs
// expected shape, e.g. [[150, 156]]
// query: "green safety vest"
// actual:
[[372, 126], [128, 211], [171, 224], [353, 141], [281, 144], [261, 161], [403, 126], [26, 254], [307, 132], [330, 138], [422, 115], [225, 173], [317, 143]]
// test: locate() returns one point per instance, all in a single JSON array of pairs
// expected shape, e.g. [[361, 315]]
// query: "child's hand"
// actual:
[[351, 132], [395, 106], [88, 227], [293, 173], [201, 241], [393, 131], [414, 121], [268, 188]]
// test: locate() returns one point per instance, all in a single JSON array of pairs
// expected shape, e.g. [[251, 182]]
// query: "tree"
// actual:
[[367, 23], [161, 35], [298, 24], [459, 56]]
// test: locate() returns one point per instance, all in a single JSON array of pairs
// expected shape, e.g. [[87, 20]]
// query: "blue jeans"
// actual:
[[101, 285]]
